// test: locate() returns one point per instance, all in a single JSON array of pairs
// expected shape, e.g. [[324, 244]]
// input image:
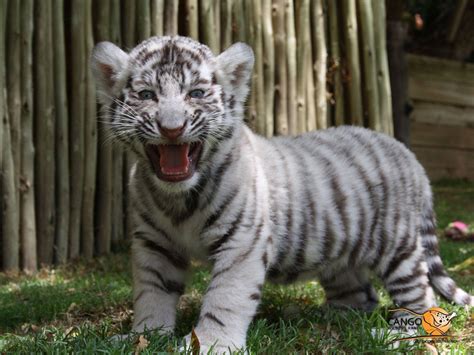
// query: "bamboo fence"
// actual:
[[319, 63]]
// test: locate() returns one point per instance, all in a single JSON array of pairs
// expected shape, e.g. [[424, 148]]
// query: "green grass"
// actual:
[[78, 307]]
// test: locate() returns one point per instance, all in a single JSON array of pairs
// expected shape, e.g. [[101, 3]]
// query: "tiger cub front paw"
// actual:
[[207, 344]]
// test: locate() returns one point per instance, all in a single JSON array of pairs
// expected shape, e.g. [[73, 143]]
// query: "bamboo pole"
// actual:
[[268, 66], [9, 208], [76, 126], [281, 118], [369, 63], [216, 4], [302, 58], [226, 24], [171, 17], [311, 120], [320, 63], [329, 107], [129, 39], [62, 141], [336, 63], [210, 37], [354, 111], [157, 14], [238, 11], [117, 151], [115, 23], [291, 69], [128, 23], [251, 109], [3, 110], [104, 187], [90, 146], [13, 54], [143, 19], [10, 216], [383, 75], [44, 132], [258, 80]]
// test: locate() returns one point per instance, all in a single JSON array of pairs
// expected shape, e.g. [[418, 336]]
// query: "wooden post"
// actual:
[[76, 126], [302, 57], [226, 24], [398, 69], [117, 152], [13, 53], [44, 132], [281, 118], [3, 109], [291, 70], [311, 121], [258, 80], [129, 24], [383, 75], [268, 66], [3, 98], [9, 205], [104, 188], [336, 63], [143, 19], [216, 4], [62, 135], [238, 14], [27, 200], [157, 17], [320, 63], [171, 17], [129, 41], [209, 29], [351, 40], [371, 93], [90, 146], [251, 109]]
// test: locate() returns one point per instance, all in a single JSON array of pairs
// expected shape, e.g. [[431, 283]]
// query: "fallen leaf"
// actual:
[[141, 345], [71, 307], [71, 331], [195, 345]]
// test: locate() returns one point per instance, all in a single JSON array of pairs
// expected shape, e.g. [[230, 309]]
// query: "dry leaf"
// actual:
[[71, 331], [195, 345], [71, 307], [142, 344], [431, 349]]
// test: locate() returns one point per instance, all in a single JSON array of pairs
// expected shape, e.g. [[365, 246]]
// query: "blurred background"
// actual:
[[404, 68]]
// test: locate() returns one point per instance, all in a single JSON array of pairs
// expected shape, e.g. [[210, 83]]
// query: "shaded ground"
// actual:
[[76, 308]]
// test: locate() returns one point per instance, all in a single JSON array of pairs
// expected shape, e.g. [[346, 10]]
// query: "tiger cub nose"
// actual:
[[171, 133]]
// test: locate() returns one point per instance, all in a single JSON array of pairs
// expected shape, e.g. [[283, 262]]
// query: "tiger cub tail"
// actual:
[[437, 274]]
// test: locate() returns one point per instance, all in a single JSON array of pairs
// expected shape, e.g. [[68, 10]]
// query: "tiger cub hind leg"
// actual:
[[350, 288], [407, 282]]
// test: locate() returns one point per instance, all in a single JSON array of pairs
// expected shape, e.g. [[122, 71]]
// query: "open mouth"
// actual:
[[174, 162]]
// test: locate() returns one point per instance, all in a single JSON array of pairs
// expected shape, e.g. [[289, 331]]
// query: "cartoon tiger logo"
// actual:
[[435, 321]]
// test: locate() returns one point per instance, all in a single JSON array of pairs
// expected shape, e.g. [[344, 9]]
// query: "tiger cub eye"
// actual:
[[196, 94], [146, 95]]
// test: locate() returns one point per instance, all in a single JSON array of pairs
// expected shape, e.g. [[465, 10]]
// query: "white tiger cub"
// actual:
[[334, 205]]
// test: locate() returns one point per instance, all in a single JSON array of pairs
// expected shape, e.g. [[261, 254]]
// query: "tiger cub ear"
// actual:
[[108, 63], [234, 70]]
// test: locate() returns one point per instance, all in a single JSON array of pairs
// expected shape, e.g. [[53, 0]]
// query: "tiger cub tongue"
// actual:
[[174, 159]]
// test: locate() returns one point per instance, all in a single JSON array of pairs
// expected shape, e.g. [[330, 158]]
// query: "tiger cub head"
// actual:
[[172, 102]]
